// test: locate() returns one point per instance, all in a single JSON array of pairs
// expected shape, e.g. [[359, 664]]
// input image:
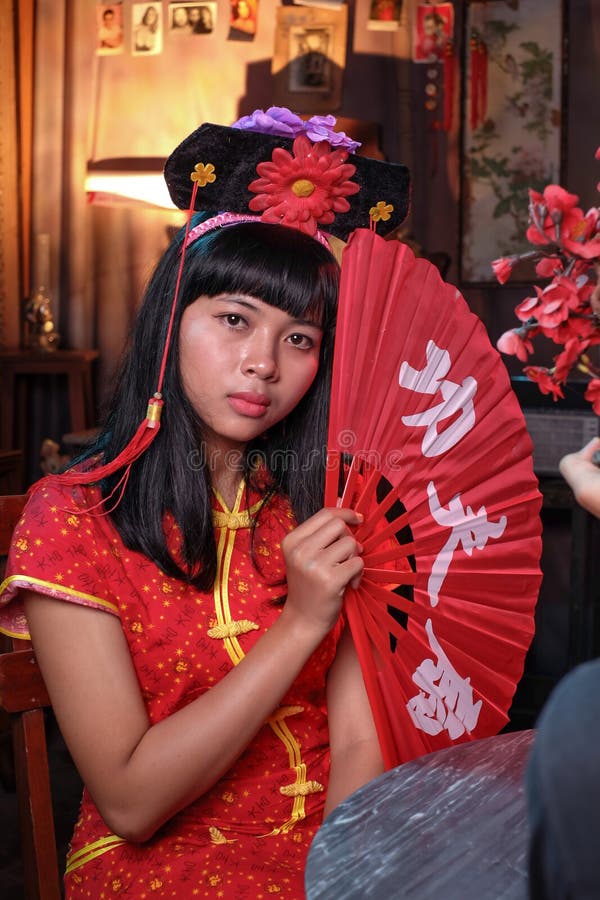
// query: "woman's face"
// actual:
[[151, 16], [244, 365]]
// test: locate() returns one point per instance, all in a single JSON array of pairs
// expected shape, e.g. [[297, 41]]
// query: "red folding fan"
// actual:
[[427, 440]]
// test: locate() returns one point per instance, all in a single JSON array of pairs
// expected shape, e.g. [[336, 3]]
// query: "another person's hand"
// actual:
[[583, 475], [322, 558]]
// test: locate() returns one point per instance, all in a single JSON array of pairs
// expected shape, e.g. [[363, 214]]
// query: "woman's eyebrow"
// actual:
[[240, 302], [247, 304]]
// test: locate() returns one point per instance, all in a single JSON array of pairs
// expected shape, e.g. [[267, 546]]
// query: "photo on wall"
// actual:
[[243, 20], [147, 29], [191, 18], [309, 58], [384, 15], [109, 25]]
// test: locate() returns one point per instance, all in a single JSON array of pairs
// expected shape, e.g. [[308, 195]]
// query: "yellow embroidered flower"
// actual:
[[116, 885], [156, 884], [73, 520], [203, 174], [214, 880], [228, 797], [274, 889], [381, 212], [22, 544]]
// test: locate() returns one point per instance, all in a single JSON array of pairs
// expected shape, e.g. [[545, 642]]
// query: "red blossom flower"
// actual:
[[584, 239], [553, 215], [543, 379], [548, 266], [567, 310], [503, 267], [564, 362], [592, 394], [514, 344], [304, 188], [528, 307], [556, 302]]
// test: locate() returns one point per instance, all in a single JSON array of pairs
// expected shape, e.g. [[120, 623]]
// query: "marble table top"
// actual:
[[447, 826]]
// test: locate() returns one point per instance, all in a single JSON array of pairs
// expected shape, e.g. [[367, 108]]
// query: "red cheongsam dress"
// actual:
[[249, 835]]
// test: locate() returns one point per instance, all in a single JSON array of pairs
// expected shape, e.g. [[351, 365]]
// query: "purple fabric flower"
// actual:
[[282, 122], [320, 128], [276, 120]]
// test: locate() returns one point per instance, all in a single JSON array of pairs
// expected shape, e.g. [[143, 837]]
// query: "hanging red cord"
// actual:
[[449, 77]]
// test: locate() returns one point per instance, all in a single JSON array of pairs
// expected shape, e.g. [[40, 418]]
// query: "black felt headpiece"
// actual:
[[232, 156]]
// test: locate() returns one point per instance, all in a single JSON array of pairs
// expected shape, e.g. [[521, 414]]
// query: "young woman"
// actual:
[[189, 629]]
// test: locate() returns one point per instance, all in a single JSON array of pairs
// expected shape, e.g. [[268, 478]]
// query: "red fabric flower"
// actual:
[[512, 343], [554, 214], [503, 267], [592, 394], [584, 239], [548, 266], [544, 381], [564, 362], [304, 188], [556, 302], [528, 307]]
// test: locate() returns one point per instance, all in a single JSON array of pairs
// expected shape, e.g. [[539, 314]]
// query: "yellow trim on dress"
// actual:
[[93, 850], [28, 581], [228, 629]]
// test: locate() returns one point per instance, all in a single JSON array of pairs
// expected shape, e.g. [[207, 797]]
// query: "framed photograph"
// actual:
[[309, 58], [511, 125], [192, 18], [147, 29], [109, 29]]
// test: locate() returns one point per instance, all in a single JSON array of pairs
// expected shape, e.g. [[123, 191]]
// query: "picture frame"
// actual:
[[511, 133], [309, 58]]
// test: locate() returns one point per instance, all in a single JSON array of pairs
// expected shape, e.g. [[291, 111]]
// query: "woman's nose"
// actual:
[[261, 360]]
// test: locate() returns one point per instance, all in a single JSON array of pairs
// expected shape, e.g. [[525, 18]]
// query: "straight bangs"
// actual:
[[276, 264]]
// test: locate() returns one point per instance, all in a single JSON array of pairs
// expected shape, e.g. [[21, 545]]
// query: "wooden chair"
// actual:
[[23, 698]]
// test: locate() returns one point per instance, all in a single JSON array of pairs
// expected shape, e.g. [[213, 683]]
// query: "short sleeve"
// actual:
[[62, 547]]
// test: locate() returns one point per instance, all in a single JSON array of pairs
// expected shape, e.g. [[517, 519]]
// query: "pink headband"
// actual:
[[230, 218]]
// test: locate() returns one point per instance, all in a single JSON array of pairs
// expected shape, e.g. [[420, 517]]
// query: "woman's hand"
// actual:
[[322, 558], [583, 475]]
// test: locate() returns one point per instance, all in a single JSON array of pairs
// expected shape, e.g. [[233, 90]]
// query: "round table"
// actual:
[[447, 826]]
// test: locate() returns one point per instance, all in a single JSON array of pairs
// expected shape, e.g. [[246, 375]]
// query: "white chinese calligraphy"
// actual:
[[469, 529], [455, 397], [445, 700]]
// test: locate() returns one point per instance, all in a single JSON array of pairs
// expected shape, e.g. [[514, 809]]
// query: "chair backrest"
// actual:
[[23, 697]]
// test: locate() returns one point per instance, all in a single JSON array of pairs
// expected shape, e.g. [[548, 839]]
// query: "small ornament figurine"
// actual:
[[40, 331]]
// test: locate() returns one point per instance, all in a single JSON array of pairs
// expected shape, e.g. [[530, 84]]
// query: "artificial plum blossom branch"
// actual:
[[567, 310]]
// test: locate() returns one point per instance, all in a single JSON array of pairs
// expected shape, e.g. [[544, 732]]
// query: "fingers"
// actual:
[[328, 514], [585, 455], [580, 470]]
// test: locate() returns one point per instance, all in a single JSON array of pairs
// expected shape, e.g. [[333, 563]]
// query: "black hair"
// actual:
[[280, 266]]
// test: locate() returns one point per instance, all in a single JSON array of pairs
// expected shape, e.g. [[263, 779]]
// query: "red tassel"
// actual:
[[449, 72], [479, 76], [149, 428], [474, 64], [141, 440]]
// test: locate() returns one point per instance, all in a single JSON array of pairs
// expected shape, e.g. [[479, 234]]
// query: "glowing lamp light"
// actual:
[[128, 181]]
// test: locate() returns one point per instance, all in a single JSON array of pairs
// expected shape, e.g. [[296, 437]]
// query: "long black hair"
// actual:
[[280, 266]]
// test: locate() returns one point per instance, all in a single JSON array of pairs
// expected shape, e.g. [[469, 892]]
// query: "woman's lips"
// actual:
[[247, 403]]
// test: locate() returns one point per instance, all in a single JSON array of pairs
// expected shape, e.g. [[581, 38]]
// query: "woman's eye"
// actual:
[[302, 341], [233, 320]]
